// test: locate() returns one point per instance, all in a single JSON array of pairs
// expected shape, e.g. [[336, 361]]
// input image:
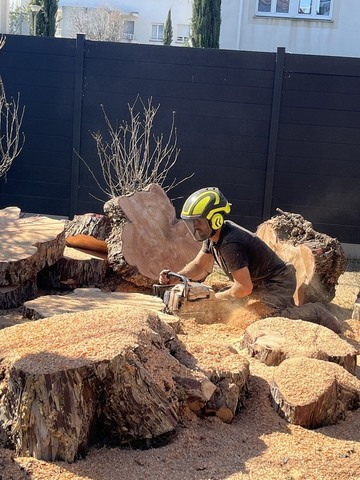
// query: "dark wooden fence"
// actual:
[[270, 130]]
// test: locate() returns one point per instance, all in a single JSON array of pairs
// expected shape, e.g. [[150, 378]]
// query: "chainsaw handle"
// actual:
[[180, 277]]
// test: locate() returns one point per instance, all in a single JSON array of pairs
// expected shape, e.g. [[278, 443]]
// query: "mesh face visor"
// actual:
[[199, 228]]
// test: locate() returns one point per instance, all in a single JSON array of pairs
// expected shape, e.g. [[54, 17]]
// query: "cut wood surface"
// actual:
[[313, 393], [272, 340], [147, 236], [319, 260], [82, 299], [74, 379], [77, 268], [27, 246]]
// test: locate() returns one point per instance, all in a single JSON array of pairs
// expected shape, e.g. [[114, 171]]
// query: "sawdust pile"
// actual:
[[257, 444]]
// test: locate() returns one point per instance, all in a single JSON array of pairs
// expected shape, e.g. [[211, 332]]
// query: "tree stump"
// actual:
[[28, 245], [74, 379], [146, 236], [319, 260], [313, 393], [88, 231], [275, 339], [77, 268]]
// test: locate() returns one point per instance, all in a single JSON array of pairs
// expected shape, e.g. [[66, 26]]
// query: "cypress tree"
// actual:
[[168, 30], [205, 23], [46, 19]]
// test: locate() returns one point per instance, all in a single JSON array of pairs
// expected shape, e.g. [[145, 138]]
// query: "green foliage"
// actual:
[[46, 18], [205, 23], [168, 30]]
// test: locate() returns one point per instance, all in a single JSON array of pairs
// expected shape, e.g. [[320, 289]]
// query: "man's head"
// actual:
[[203, 212]]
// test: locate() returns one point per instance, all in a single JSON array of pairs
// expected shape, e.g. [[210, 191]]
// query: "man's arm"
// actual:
[[197, 270], [242, 286]]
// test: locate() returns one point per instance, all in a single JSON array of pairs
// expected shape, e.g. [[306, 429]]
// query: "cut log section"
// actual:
[[82, 299], [28, 245], [319, 260], [77, 268], [74, 379], [146, 236], [273, 340], [313, 393]]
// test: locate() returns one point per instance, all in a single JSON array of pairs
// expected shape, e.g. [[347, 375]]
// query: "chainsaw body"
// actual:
[[174, 296]]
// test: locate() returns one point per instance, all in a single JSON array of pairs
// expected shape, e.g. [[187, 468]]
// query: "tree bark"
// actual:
[[77, 268], [313, 393], [319, 260]]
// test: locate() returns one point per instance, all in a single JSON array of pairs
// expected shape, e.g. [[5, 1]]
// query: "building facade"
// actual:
[[316, 27]]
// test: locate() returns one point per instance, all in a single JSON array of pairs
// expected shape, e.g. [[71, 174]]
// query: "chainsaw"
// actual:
[[174, 296]]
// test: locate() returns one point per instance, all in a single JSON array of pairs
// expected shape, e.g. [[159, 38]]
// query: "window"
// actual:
[[183, 33], [314, 9], [157, 32], [129, 28]]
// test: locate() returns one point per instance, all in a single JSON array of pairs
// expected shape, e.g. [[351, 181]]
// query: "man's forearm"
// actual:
[[235, 291], [194, 271]]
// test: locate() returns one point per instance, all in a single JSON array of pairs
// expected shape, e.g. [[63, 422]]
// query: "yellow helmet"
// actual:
[[207, 203]]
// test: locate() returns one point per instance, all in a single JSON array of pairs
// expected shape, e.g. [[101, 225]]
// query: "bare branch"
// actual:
[[12, 139], [132, 157]]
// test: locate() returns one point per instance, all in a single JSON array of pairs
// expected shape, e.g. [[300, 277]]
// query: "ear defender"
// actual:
[[216, 221]]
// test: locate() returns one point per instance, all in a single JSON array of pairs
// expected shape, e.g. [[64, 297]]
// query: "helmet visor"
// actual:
[[199, 228]]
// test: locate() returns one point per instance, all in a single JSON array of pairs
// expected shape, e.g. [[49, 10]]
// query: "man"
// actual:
[[248, 261]]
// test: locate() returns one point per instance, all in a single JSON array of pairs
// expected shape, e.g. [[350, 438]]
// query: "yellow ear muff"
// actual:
[[216, 221]]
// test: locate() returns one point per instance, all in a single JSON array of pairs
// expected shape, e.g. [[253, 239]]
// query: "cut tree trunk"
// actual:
[[275, 339], [319, 260], [77, 268], [74, 379], [146, 236], [28, 245], [313, 393]]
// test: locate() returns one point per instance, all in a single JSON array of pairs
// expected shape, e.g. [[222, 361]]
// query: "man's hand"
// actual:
[[163, 277]]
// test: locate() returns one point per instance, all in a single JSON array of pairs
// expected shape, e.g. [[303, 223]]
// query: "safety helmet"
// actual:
[[209, 204]]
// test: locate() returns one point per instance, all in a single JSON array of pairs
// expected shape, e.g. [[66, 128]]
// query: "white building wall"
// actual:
[[241, 29], [149, 12]]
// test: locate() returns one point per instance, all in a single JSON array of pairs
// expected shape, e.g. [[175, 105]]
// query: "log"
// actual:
[[313, 393], [228, 372], [83, 299], [28, 245], [77, 268], [272, 340], [146, 236], [319, 260], [74, 379], [88, 225]]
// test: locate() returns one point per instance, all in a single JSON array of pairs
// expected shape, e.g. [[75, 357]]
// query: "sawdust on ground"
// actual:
[[257, 444]]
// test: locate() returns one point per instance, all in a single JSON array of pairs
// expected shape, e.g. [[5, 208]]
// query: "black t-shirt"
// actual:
[[238, 248]]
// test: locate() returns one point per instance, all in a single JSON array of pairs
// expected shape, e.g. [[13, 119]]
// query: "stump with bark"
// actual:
[[313, 393], [28, 245], [276, 339], [105, 375], [319, 260]]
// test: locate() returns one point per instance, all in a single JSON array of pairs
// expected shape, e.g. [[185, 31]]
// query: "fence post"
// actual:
[[274, 130], [77, 114]]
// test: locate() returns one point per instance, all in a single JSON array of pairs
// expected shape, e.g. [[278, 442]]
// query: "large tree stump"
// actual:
[[319, 260], [313, 393], [273, 340], [146, 236], [88, 231], [74, 379], [28, 245]]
